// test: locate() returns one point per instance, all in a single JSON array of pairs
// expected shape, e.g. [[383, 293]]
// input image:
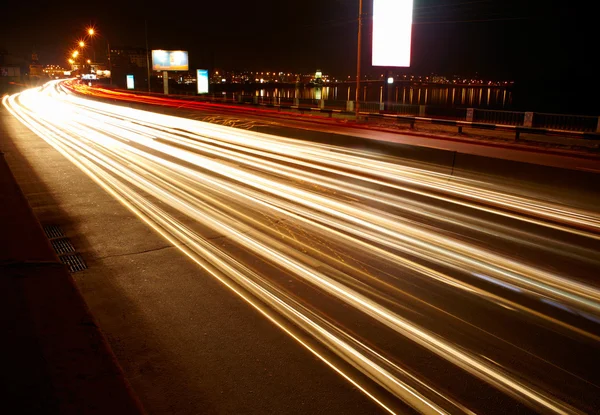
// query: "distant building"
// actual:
[[187, 78], [35, 69], [10, 71], [53, 71], [436, 79], [136, 56]]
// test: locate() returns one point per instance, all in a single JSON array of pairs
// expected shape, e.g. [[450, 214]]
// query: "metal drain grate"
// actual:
[[74, 262], [53, 231], [62, 246], [64, 249]]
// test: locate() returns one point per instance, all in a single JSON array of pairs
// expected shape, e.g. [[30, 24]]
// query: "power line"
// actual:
[[474, 20]]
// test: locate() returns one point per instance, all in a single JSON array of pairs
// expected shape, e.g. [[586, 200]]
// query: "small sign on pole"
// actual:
[[130, 82], [202, 81]]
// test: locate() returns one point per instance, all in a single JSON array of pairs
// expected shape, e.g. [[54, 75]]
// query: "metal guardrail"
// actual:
[[579, 126], [445, 112], [563, 122], [498, 117], [566, 122], [403, 109]]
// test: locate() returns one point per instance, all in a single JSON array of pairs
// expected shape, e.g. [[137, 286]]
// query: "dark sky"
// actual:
[[529, 42]]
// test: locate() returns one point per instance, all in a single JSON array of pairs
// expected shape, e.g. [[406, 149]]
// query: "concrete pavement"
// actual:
[[55, 360]]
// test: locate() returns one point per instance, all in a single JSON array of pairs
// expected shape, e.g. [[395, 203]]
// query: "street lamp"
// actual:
[[92, 32], [81, 44]]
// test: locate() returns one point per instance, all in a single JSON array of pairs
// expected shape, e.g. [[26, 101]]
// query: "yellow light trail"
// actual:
[[237, 183]]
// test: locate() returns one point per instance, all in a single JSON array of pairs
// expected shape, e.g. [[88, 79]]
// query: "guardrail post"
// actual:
[[322, 103], [297, 102], [421, 110], [255, 100], [470, 114], [381, 106], [350, 106], [528, 121], [598, 126]]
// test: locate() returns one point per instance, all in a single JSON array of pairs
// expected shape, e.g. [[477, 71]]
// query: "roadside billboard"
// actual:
[[202, 80], [130, 82], [170, 60], [392, 29]]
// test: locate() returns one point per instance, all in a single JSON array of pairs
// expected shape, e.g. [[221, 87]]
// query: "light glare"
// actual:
[[392, 27]]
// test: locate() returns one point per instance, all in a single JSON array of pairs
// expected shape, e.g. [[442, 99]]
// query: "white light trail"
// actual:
[[239, 183]]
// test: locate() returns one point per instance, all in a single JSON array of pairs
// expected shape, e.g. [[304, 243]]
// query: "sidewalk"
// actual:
[[54, 360]]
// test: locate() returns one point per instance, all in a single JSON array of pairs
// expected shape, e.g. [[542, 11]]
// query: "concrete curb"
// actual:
[[55, 358]]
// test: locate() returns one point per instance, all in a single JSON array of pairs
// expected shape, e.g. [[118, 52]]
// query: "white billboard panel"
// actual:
[[169, 60], [202, 80], [130, 82], [392, 29]]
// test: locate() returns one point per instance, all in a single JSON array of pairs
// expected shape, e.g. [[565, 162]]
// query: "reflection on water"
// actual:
[[442, 95]]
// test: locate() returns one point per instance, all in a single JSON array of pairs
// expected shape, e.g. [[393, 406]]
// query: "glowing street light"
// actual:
[[81, 44], [92, 32], [89, 61], [75, 53]]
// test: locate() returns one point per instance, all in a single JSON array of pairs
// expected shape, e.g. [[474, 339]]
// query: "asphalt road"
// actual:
[[240, 272]]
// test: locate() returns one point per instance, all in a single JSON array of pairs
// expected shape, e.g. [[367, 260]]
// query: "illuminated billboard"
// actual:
[[170, 60], [392, 29], [130, 82], [202, 80]]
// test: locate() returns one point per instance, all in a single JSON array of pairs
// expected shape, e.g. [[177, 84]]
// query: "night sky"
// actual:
[[532, 43]]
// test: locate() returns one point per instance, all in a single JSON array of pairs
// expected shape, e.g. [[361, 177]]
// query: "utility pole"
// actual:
[[358, 56], [147, 57], [109, 62]]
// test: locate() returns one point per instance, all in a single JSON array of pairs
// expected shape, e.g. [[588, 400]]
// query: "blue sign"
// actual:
[[202, 80]]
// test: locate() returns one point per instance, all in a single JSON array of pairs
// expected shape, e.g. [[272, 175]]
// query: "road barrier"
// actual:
[[578, 126]]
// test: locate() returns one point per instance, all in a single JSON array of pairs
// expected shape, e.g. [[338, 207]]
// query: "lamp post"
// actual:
[[74, 56], [358, 56], [92, 32]]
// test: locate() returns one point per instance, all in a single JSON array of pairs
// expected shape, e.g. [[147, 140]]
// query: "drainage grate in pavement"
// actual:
[[62, 246], [64, 249], [74, 262], [53, 231]]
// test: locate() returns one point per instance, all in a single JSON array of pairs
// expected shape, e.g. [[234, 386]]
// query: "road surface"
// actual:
[[417, 290]]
